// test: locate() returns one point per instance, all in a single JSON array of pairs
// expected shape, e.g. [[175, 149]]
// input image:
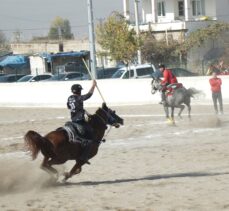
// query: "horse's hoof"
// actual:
[[64, 180], [66, 176], [170, 121]]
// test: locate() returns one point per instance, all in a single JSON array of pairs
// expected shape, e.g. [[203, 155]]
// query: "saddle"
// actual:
[[172, 87], [76, 133]]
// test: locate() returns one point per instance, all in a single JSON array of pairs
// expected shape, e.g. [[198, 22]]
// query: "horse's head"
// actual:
[[109, 116], [113, 118], [155, 85]]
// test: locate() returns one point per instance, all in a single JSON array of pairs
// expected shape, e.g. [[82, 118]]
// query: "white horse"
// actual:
[[176, 99]]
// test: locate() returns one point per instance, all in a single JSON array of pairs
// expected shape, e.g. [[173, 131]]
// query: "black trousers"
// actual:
[[86, 130], [217, 97]]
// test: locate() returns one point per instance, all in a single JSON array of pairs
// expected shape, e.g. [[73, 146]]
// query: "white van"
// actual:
[[135, 71]]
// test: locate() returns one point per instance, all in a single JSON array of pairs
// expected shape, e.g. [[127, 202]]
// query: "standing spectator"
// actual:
[[216, 83]]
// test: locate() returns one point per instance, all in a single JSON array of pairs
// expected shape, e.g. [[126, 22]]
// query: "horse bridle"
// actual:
[[102, 119], [155, 88]]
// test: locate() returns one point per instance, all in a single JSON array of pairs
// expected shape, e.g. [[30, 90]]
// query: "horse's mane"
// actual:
[[97, 116]]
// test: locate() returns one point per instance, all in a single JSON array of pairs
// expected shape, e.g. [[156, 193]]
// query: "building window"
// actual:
[[181, 8], [161, 8], [197, 7]]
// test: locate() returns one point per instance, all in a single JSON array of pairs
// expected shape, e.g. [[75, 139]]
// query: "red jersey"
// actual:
[[169, 78], [215, 84]]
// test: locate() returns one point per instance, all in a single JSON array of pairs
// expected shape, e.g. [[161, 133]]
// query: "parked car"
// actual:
[[32, 78], [135, 71], [181, 72], [74, 67], [10, 78], [68, 76], [106, 72]]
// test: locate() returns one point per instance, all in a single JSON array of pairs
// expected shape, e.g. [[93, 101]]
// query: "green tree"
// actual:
[[199, 37], [60, 28], [156, 51], [117, 39], [4, 45]]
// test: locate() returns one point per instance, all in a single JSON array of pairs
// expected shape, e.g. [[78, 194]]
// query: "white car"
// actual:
[[135, 71], [69, 76], [32, 78]]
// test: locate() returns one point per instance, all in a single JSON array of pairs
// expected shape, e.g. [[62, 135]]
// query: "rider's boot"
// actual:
[[162, 98]]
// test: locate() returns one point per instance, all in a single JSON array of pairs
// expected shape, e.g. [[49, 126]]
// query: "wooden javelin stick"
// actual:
[[93, 79]]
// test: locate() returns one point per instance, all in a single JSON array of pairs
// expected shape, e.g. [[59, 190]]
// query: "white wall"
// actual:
[[147, 11], [210, 8], [115, 92], [222, 10]]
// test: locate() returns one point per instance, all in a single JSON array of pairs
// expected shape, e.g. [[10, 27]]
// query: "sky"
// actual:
[[33, 17]]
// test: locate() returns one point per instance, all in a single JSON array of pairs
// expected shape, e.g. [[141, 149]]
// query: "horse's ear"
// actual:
[[104, 105]]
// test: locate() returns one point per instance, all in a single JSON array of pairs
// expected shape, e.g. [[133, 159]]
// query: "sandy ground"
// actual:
[[144, 165]]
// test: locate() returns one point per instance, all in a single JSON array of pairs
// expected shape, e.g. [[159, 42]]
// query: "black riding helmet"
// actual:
[[76, 88], [160, 65]]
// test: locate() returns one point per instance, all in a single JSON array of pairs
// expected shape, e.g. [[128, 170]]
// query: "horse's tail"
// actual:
[[33, 143], [193, 91]]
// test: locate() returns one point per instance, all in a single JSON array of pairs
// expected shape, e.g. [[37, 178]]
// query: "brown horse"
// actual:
[[57, 149]]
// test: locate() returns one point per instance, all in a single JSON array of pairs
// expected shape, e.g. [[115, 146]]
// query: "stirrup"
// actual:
[[162, 102]]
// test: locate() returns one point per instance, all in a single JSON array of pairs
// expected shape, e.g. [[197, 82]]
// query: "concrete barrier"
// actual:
[[115, 92]]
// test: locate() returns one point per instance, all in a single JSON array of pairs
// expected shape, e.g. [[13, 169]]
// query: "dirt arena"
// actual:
[[144, 165]]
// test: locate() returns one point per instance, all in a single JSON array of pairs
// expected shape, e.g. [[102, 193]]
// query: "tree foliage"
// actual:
[[174, 51], [198, 38], [156, 51], [60, 28], [115, 37], [4, 45]]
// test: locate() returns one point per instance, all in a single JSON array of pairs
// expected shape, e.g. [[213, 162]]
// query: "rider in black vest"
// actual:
[[76, 106]]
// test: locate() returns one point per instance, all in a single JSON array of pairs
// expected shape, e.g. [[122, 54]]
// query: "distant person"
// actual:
[[216, 83], [221, 66], [169, 78], [212, 69], [76, 106]]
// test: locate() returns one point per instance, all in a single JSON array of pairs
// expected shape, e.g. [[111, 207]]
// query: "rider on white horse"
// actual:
[[169, 78]]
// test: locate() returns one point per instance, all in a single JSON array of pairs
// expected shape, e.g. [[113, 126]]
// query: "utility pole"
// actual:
[[137, 28], [91, 39]]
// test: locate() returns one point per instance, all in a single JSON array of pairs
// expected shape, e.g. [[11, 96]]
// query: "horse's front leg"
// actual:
[[166, 109], [76, 169], [189, 111], [172, 115]]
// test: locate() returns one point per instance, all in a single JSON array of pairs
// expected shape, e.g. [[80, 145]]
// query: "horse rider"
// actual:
[[169, 78], [76, 106]]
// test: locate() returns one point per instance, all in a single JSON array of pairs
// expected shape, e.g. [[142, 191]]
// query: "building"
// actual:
[[177, 18], [37, 48], [59, 62], [178, 15]]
